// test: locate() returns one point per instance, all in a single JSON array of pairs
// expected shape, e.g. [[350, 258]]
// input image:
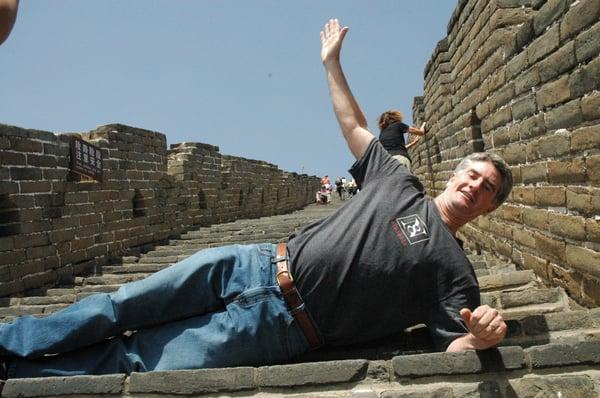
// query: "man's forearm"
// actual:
[[470, 342], [350, 116]]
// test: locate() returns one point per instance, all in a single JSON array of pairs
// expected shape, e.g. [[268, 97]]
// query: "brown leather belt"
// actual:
[[292, 298]]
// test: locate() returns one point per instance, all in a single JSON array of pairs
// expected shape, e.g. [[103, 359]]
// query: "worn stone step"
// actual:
[[60, 291], [539, 371], [117, 279], [495, 270], [519, 298], [504, 280], [135, 268]]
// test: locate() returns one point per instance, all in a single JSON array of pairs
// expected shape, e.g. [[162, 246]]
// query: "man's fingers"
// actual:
[[481, 318], [465, 314]]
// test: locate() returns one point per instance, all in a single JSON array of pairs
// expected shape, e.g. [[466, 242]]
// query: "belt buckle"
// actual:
[[284, 271]]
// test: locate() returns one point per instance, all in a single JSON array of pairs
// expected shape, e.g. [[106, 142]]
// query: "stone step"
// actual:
[[519, 298], [135, 268], [117, 279], [540, 371], [504, 280]]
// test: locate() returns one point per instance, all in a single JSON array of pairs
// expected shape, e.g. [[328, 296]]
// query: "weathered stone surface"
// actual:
[[64, 386], [550, 11], [524, 107], [559, 62], [458, 363], [587, 44], [564, 116], [554, 93], [552, 355], [567, 171], [550, 386], [580, 15], [193, 382], [443, 392], [590, 106], [585, 138], [583, 259], [585, 79], [527, 80], [312, 373], [543, 45]]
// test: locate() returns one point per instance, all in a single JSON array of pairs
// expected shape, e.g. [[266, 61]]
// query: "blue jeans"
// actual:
[[220, 307]]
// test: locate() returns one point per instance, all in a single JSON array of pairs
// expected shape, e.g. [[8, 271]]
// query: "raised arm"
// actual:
[[347, 111], [413, 142], [417, 130]]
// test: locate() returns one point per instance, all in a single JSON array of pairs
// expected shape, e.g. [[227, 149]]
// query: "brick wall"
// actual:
[[55, 225], [520, 78]]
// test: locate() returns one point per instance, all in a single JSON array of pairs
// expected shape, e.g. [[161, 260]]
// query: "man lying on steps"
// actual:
[[388, 259]]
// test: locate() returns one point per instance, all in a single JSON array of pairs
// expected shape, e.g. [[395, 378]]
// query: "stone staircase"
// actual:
[[552, 348]]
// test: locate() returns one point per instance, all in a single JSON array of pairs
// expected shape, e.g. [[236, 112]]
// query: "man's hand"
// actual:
[[331, 40], [486, 329]]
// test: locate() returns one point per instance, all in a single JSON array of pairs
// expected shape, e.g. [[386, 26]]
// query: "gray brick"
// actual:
[[524, 107], [553, 93], [587, 44], [552, 355], [193, 382], [559, 62], [312, 373], [585, 79], [527, 80], [564, 116], [492, 360], [64, 386], [549, 12], [550, 386], [442, 392], [590, 107], [25, 173], [543, 45], [41, 160], [8, 158], [581, 15]]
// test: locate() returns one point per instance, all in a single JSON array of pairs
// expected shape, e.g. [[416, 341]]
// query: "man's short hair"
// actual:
[[501, 167]]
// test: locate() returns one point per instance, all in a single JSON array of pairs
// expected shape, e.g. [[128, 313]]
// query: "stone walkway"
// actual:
[[552, 348]]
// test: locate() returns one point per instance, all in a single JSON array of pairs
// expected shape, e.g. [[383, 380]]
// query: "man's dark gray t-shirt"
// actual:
[[384, 261]]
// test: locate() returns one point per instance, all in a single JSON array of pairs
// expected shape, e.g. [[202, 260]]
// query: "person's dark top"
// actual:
[[392, 139], [383, 262]]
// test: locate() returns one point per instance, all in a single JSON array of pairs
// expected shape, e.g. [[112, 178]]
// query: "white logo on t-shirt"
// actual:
[[413, 228]]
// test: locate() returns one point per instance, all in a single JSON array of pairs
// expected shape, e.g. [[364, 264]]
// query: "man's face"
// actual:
[[472, 191]]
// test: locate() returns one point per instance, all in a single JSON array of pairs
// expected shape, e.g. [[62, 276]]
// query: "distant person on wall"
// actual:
[[383, 262], [391, 135], [339, 187], [8, 15]]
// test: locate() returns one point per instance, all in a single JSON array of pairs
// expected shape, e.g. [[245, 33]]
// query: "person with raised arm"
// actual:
[[385, 261]]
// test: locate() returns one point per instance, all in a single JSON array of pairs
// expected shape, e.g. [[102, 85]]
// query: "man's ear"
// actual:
[[450, 179]]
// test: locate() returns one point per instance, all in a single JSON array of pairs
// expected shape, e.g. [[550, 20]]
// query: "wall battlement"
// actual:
[[520, 78], [55, 225]]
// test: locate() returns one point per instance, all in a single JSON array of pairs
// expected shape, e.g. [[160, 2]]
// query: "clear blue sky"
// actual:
[[243, 75]]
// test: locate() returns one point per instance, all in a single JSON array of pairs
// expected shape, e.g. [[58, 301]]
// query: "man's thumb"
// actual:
[[465, 314]]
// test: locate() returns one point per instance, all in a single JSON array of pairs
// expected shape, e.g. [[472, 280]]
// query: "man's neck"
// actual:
[[453, 223]]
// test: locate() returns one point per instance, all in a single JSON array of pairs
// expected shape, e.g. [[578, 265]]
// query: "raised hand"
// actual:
[[331, 40]]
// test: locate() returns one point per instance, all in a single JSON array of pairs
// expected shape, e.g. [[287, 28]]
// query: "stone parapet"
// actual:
[[55, 225], [520, 78]]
